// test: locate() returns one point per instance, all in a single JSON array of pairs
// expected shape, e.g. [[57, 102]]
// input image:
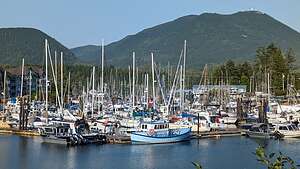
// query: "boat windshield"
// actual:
[[283, 128], [295, 127], [290, 127], [255, 129], [48, 130]]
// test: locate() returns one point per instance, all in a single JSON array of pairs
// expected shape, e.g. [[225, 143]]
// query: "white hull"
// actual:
[[54, 140], [291, 134], [258, 135]]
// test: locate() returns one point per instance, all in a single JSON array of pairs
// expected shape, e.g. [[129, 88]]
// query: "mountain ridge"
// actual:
[[28, 43], [212, 38]]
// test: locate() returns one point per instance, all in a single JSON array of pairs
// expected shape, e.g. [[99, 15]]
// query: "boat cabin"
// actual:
[[286, 127], [261, 128], [154, 126], [55, 130]]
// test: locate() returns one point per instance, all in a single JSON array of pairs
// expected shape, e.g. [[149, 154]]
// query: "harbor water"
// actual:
[[223, 153]]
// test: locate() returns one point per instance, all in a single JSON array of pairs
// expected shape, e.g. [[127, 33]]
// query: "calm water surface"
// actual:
[[224, 153]]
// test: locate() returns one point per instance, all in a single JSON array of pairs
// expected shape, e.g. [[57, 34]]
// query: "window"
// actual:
[[202, 118], [283, 128], [295, 127], [290, 127], [48, 130]]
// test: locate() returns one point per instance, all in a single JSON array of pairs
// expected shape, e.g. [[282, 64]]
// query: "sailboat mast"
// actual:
[[102, 73], [183, 76], [93, 89], [87, 90], [268, 86], [4, 88], [22, 78], [133, 79], [46, 73], [129, 79], [30, 84], [61, 82], [153, 87], [69, 85], [53, 75], [147, 90], [55, 66], [181, 86]]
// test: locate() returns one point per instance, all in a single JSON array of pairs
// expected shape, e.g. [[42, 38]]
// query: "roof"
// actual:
[[156, 122], [259, 125], [17, 71]]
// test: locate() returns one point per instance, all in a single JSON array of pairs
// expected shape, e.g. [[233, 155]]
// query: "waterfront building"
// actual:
[[14, 80]]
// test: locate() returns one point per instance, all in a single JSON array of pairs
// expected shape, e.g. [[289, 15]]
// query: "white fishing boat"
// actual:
[[159, 132]]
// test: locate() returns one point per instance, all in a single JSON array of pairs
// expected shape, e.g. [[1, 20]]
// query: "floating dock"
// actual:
[[217, 134], [6, 129], [113, 139], [19, 132]]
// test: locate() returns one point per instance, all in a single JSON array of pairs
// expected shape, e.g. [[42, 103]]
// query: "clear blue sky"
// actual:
[[81, 22]]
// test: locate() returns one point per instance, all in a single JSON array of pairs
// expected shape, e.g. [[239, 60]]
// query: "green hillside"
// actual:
[[211, 38], [28, 43]]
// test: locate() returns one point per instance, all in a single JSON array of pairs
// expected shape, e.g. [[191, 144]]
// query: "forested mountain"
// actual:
[[28, 43], [211, 38]]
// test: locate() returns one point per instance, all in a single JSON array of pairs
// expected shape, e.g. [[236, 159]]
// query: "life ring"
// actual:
[[151, 132]]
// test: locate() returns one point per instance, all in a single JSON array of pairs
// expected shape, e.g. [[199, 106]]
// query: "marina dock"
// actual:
[[111, 139], [217, 134], [19, 132]]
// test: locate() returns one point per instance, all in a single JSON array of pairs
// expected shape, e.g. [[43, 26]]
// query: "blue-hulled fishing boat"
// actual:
[[159, 132]]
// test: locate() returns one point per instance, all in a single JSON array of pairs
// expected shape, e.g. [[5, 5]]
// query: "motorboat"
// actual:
[[260, 130], [287, 130]]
